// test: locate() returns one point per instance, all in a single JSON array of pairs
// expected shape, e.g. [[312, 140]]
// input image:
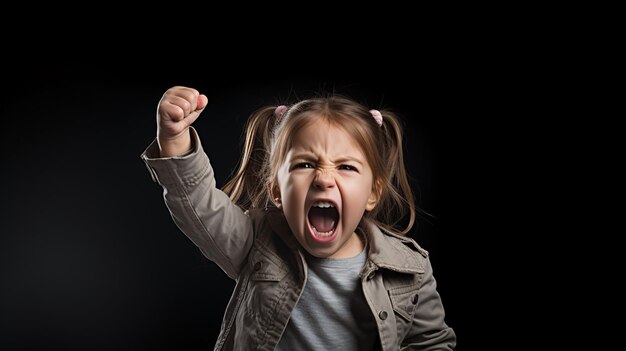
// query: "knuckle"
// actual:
[[186, 105], [189, 96]]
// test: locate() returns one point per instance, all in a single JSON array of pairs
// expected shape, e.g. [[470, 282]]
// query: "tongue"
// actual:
[[323, 219]]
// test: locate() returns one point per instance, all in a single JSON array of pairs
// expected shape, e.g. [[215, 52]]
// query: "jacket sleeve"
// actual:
[[220, 229], [429, 330]]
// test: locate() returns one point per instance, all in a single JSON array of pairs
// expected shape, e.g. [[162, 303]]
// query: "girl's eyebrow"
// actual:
[[349, 158], [303, 156], [310, 156]]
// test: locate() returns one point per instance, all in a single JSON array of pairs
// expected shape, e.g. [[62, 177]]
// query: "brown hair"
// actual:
[[269, 138]]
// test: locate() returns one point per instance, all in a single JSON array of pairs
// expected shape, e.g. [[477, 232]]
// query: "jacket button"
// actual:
[[383, 315], [257, 266], [414, 299], [370, 276]]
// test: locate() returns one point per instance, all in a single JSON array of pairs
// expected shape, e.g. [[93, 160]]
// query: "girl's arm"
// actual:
[[204, 213]]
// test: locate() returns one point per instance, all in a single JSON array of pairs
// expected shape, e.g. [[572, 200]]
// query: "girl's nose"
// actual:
[[323, 180]]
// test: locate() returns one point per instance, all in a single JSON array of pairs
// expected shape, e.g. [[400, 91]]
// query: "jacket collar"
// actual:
[[393, 252], [385, 250]]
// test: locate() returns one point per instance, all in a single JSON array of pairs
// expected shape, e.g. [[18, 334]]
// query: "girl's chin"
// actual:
[[322, 248]]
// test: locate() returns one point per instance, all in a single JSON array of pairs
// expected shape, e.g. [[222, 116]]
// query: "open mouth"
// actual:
[[323, 217]]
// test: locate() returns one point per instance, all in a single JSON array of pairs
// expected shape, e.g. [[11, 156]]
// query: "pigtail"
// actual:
[[397, 201], [248, 187]]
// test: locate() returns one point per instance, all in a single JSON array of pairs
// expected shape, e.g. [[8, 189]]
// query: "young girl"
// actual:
[[308, 227]]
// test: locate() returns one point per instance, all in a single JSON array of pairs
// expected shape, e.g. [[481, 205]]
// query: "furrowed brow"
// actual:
[[349, 158]]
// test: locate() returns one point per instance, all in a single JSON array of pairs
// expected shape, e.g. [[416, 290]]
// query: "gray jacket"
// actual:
[[257, 250]]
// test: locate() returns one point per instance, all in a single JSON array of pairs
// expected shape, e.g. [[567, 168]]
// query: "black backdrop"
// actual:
[[90, 258]]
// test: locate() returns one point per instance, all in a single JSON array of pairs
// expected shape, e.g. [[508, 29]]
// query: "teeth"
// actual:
[[328, 233], [323, 204]]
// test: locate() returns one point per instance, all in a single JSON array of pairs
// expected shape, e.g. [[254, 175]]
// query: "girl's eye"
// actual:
[[348, 168], [303, 165]]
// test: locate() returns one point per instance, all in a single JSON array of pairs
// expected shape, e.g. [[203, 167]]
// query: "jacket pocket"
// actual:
[[404, 301]]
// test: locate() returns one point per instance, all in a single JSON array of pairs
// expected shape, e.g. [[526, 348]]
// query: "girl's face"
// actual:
[[325, 185]]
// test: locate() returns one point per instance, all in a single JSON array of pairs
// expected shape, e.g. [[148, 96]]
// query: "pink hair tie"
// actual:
[[377, 116], [280, 111]]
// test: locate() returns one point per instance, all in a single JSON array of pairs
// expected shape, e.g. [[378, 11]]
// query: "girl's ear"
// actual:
[[275, 194], [372, 200]]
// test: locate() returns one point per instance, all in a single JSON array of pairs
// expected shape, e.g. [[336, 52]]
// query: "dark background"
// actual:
[[89, 256]]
